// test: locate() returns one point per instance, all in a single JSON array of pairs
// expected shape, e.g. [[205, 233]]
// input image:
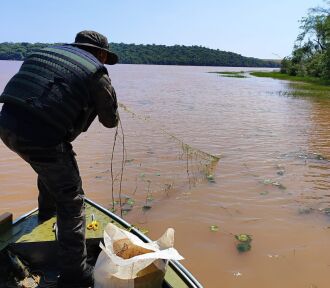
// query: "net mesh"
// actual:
[[155, 165]]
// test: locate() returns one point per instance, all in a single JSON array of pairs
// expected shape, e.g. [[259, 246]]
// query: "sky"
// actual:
[[263, 29]]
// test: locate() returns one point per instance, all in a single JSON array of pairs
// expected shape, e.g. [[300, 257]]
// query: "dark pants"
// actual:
[[60, 192]]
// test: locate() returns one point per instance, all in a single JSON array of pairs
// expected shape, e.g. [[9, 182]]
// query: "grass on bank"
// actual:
[[281, 76], [233, 74], [301, 86]]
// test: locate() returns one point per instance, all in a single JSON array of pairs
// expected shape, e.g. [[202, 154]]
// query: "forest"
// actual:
[[311, 53], [153, 54]]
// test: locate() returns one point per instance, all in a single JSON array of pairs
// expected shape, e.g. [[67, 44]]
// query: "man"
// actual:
[[56, 95]]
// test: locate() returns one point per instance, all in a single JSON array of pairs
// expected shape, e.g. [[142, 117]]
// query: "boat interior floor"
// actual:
[[28, 249]]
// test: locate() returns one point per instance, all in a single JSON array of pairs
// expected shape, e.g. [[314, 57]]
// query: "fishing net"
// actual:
[[149, 163]]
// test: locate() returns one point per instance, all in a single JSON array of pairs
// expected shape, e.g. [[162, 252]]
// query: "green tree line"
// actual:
[[311, 53], [153, 54]]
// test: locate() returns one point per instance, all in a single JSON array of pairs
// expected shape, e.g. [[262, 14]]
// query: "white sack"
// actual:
[[112, 271]]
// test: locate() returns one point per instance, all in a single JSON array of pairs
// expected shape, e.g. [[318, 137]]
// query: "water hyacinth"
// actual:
[[244, 244]]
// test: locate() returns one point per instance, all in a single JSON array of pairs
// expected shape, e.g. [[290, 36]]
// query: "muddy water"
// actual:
[[272, 181]]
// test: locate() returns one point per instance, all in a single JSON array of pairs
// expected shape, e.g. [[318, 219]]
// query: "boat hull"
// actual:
[[35, 242]]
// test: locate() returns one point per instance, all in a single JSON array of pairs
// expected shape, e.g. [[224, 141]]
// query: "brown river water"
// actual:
[[272, 182]]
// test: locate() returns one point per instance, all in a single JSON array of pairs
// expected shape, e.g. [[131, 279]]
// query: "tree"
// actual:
[[153, 54], [311, 55]]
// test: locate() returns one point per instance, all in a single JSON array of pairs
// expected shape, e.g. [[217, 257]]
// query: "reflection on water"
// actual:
[[272, 181]]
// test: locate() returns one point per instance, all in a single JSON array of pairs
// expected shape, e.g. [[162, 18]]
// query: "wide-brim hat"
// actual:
[[96, 40]]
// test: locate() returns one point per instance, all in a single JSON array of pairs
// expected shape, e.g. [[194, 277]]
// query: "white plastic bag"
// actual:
[[146, 270]]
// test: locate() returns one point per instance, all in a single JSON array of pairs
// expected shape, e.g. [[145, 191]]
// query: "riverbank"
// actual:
[[282, 76], [301, 86]]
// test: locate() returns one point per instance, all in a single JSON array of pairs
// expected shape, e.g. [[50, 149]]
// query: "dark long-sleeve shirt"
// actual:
[[105, 99]]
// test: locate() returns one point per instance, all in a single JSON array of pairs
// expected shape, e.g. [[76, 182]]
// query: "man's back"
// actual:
[[52, 86], [54, 97]]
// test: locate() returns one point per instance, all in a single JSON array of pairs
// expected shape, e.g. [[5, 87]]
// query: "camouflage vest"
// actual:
[[53, 83]]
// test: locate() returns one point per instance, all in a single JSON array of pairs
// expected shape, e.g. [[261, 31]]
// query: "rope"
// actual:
[[111, 170], [122, 168]]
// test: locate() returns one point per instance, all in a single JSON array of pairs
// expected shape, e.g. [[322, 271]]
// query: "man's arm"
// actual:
[[105, 102]]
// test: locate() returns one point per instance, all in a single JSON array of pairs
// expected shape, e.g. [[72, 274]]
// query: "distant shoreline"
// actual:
[[154, 54]]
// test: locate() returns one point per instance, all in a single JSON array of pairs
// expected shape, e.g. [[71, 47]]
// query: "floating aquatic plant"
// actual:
[[130, 201], [214, 228], [146, 208], [263, 193], [126, 208], [305, 210], [326, 211], [244, 242], [279, 185], [268, 181], [210, 178], [243, 238], [150, 198]]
